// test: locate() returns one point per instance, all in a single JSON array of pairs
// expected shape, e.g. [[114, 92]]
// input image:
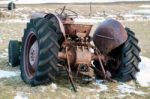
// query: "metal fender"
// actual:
[[109, 35], [58, 23]]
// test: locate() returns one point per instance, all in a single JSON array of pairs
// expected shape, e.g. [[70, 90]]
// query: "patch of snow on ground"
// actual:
[[144, 6], [20, 96], [102, 87], [2, 56], [142, 11], [54, 87], [121, 96], [143, 77], [7, 74], [124, 88]]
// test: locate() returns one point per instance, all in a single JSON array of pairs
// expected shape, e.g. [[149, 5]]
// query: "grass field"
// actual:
[[61, 89]]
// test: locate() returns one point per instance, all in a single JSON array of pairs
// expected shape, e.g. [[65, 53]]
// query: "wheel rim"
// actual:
[[31, 51]]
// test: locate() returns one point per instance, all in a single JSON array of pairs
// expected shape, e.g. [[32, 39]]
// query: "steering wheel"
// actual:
[[63, 12]]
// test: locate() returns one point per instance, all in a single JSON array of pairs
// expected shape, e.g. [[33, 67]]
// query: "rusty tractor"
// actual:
[[54, 42]]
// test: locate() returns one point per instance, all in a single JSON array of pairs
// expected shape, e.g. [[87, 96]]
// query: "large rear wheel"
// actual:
[[39, 55], [127, 57], [123, 65]]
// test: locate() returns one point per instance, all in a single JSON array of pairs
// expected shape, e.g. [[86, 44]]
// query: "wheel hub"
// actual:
[[33, 54]]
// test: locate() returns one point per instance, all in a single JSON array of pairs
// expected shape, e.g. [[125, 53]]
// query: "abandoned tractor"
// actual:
[[52, 43]]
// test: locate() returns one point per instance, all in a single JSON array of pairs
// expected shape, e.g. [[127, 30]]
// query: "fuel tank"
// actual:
[[109, 35]]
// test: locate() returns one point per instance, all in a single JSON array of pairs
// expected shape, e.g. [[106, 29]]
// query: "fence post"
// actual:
[[90, 14]]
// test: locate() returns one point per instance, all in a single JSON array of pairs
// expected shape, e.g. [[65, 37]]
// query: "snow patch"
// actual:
[[144, 6], [143, 77], [7, 74], [4, 54], [54, 86], [20, 95], [102, 87], [142, 11], [124, 88], [121, 96]]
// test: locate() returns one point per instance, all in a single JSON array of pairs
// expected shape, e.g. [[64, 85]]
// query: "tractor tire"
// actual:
[[124, 65], [55, 21], [129, 58], [14, 53], [11, 6], [39, 56]]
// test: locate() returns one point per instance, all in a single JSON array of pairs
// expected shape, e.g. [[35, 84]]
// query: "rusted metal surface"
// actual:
[[77, 29], [106, 74], [84, 69], [56, 22], [71, 56], [76, 56], [68, 69], [83, 56], [109, 35]]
